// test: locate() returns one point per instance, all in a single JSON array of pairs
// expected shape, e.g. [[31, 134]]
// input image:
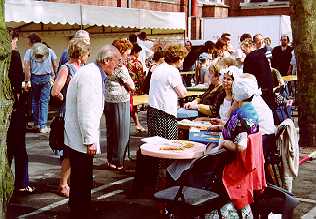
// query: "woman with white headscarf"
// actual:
[[243, 121]]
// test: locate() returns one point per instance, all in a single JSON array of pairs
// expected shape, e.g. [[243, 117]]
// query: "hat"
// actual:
[[244, 88], [232, 71], [203, 56], [39, 52], [82, 34]]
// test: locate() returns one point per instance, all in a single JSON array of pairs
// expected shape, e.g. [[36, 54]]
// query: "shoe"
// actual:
[[64, 191], [26, 190], [140, 129], [44, 130], [109, 166]]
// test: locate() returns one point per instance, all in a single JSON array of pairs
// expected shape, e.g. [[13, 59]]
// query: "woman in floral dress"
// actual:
[[137, 73]]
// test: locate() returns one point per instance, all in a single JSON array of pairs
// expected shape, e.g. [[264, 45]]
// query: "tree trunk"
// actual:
[[303, 17], [6, 179]]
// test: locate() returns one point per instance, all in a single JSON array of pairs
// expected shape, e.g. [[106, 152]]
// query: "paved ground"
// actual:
[[111, 193]]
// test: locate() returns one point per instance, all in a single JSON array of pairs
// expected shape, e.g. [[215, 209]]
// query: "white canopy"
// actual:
[[50, 12]]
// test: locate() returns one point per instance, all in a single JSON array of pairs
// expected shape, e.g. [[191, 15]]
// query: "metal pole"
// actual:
[[81, 25]]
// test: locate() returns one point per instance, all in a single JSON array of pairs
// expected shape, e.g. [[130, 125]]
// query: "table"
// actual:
[[290, 78], [143, 99], [195, 93], [198, 87], [185, 125], [187, 72], [153, 150], [140, 99]]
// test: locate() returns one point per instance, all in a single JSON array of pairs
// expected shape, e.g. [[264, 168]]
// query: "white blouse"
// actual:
[[223, 109], [162, 94]]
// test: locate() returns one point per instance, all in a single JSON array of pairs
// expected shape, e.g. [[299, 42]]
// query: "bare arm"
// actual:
[[55, 67], [239, 143], [181, 91], [60, 83], [27, 70]]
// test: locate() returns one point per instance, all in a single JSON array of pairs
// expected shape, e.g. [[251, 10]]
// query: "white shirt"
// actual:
[[162, 94], [266, 122], [224, 108]]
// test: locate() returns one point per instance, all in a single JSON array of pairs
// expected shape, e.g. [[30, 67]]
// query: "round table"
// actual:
[[153, 150]]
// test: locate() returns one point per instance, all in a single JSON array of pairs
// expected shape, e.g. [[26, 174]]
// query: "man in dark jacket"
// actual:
[[281, 57], [257, 64]]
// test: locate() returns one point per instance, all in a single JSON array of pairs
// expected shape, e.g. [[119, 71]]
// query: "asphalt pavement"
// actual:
[[112, 189]]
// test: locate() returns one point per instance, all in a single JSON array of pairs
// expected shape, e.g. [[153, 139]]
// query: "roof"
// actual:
[[64, 13]]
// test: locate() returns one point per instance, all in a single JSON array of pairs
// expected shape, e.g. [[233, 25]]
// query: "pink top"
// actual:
[[245, 174]]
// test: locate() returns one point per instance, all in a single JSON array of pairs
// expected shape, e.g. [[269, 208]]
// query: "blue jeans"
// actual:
[[40, 98]]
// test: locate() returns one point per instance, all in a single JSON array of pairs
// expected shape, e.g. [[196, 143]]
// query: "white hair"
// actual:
[[107, 52]]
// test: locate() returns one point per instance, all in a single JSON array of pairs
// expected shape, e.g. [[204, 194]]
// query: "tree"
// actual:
[[303, 16], [6, 179]]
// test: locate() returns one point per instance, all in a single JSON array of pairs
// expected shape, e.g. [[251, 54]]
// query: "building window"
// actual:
[[212, 1], [255, 1], [263, 3]]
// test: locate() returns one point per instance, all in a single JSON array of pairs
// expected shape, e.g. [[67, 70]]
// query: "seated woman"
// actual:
[[243, 121], [221, 105], [265, 115], [204, 103]]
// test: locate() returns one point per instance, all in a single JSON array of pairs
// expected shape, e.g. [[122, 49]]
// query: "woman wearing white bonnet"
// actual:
[[265, 115], [243, 121]]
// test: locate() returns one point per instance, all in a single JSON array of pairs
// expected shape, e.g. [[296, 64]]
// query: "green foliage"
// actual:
[[6, 178]]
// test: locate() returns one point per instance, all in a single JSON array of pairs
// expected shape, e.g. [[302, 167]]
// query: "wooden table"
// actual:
[[140, 99], [197, 88], [195, 93], [143, 99], [187, 73], [290, 78]]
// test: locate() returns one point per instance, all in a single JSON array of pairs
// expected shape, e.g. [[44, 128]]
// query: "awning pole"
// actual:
[[81, 25]]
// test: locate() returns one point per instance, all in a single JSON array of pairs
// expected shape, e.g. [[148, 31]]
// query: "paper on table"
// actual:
[[155, 140], [187, 122]]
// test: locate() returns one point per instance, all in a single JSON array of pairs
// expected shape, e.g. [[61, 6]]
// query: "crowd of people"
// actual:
[[241, 99]]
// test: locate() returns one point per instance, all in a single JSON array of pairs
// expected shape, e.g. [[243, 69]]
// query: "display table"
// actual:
[[143, 99], [204, 137], [199, 87], [195, 93], [140, 99], [290, 78], [155, 150], [187, 73]]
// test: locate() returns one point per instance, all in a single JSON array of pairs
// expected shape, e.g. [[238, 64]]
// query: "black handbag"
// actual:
[[56, 135]]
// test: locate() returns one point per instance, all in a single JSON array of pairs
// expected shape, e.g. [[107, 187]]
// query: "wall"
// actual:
[[58, 41], [156, 5]]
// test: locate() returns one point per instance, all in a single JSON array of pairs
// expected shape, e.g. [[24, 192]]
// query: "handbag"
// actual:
[[56, 135]]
